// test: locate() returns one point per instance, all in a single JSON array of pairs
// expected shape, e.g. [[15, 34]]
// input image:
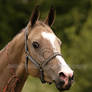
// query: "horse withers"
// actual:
[[36, 52]]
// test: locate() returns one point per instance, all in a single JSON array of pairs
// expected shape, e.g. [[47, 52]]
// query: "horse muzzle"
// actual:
[[64, 82]]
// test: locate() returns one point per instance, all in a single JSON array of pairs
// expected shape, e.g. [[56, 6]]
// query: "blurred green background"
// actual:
[[73, 25]]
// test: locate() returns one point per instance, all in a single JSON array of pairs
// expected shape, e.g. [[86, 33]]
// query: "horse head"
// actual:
[[44, 52]]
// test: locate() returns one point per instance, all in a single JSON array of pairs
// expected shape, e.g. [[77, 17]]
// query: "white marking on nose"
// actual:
[[64, 67], [51, 37]]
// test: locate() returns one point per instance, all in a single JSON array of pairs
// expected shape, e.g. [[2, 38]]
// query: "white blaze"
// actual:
[[64, 67], [52, 38], [49, 36]]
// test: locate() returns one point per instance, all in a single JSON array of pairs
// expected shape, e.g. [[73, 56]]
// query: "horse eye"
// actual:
[[35, 45]]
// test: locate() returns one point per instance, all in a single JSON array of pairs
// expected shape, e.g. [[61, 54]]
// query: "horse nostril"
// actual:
[[71, 78], [61, 74]]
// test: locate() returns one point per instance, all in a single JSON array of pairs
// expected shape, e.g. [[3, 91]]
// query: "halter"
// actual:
[[38, 65]]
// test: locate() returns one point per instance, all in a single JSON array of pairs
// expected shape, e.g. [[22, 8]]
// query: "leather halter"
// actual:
[[38, 65]]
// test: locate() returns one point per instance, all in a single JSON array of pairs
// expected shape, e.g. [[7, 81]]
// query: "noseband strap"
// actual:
[[31, 59]]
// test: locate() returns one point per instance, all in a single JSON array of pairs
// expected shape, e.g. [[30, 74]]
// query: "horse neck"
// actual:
[[12, 70]]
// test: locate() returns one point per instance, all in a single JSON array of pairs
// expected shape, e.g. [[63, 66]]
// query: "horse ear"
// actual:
[[51, 17], [35, 15]]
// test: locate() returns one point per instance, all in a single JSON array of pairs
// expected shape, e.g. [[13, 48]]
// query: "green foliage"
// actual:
[[73, 26]]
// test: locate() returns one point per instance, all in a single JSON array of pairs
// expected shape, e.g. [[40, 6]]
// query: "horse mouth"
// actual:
[[61, 88], [62, 85]]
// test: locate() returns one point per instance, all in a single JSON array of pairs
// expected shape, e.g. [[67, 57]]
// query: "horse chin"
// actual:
[[61, 87]]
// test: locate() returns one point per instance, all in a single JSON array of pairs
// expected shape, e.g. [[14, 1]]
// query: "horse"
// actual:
[[35, 51]]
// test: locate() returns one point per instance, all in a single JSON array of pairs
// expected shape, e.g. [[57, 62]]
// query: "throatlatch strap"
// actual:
[[26, 64]]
